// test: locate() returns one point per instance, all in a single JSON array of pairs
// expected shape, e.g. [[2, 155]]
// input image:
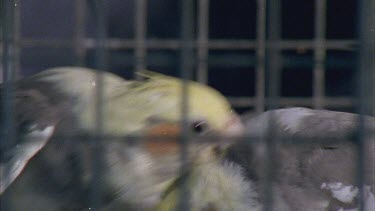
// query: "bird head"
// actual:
[[153, 108], [158, 99], [207, 110]]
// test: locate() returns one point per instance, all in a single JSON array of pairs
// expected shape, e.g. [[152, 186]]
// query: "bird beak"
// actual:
[[233, 129], [233, 126]]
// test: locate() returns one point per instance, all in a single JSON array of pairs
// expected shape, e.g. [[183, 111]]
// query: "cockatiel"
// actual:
[[142, 174], [316, 174]]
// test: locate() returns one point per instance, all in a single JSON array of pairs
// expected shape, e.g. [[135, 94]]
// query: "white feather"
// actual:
[[369, 201], [291, 118], [344, 193], [225, 186]]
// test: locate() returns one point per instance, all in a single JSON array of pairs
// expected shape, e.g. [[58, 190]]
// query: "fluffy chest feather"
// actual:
[[215, 186]]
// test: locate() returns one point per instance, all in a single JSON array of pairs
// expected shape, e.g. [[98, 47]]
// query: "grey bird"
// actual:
[[314, 164]]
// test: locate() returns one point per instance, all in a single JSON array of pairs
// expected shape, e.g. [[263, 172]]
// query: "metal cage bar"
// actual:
[[79, 32], [319, 53], [298, 101], [260, 54], [100, 16], [274, 68], [273, 55], [140, 28], [202, 40], [212, 44], [8, 129], [17, 38], [186, 70], [365, 86]]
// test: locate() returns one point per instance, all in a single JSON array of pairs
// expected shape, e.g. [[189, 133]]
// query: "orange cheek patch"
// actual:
[[155, 142]]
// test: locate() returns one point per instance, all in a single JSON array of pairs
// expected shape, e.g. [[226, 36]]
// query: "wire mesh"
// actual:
[[268, 50]]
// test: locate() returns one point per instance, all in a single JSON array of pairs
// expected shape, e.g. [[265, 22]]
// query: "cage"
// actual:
[[260, 54]]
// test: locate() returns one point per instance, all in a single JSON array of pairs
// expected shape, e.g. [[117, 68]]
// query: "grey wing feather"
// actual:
[[35, 121], [306, 166], [307, 123], [20, 154]]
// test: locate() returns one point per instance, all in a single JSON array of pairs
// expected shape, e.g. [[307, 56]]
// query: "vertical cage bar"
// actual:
[[319, 53], [260, 55], [140, 34], [365, 86], [99, 13], [273, 60], [101, 55], [79, 32], [186, 66], [203, 16], [17, 37], [8, 131], [366, 55], [273, 52]]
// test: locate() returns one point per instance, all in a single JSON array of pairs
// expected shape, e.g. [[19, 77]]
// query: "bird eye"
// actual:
[[199, 127]]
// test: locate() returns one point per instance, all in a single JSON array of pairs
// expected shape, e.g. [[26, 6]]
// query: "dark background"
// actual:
[[236, 19]]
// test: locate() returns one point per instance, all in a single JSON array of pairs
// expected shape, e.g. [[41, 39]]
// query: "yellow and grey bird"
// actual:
[[143, 175]]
